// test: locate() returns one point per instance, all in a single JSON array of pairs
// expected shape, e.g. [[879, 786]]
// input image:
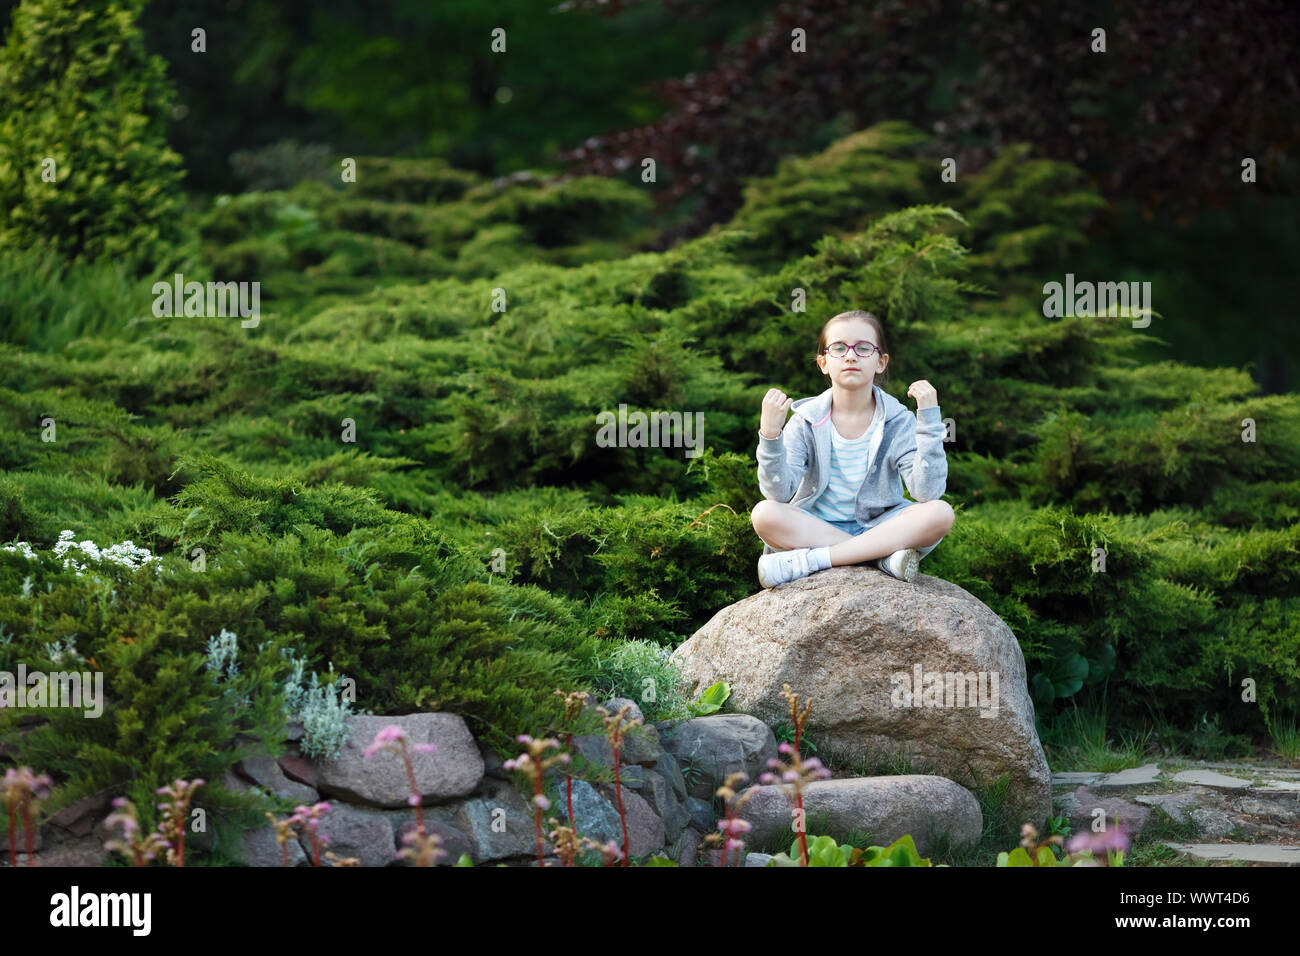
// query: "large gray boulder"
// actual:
[[454, 771], [854, 640], [881, 808]]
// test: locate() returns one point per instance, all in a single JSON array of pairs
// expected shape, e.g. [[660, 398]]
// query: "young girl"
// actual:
[[838, 462]]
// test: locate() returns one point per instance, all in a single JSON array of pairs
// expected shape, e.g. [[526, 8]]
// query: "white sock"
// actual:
[[819, 559]]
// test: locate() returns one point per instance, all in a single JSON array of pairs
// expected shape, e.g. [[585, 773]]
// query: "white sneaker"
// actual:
[[781, 567], [901, 564]]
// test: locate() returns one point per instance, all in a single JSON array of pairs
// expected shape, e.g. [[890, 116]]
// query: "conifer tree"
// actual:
[[85, 170]]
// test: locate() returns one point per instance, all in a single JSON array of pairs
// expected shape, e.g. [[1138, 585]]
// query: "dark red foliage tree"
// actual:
[[1185, 90]]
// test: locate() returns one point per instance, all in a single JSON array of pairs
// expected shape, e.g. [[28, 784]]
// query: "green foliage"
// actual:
[[1206, 740], [1182, 608], [1020, 857], [286, 163], [46, 303], [166, 714], [431, 180], [411, 219], [1046, 856], [320, 710], [477, 548], [711, 699], [640, 671], [824, 851], [78, 87], [785, 734]]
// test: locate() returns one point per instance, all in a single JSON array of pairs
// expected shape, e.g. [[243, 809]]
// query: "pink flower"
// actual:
[[767, 778], [385, 739], [542, 802], [785, 748], [1112, 839], [414, 800]]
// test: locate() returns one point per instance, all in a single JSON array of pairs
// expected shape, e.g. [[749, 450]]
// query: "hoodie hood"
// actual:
[[816, 409]]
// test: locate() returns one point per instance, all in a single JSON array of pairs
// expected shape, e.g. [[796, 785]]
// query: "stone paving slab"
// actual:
[[1211, 778], [1174, 804], [1272, 778], [1133, 777], [1256, 853], [1255, 805], [1074, 779], [1253, 768]]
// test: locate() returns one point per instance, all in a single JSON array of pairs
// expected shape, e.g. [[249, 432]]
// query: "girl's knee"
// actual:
[[765, 515], [938, 516]]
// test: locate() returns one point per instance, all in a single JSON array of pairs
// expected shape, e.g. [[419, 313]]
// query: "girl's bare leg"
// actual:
[[784, 527], [917, 527]]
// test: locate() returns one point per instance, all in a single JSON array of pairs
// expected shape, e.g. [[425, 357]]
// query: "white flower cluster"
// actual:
[[125, 554]]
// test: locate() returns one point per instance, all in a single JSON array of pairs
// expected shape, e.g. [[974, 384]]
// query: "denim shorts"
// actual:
[[853, 527]]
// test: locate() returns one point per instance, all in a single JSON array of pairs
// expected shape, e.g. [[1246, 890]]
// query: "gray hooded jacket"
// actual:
[[794, 467]]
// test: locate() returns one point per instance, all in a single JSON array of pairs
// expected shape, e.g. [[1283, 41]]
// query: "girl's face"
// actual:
[[852, 370]]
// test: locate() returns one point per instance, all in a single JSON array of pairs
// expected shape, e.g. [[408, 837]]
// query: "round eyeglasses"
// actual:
[[839, 349]]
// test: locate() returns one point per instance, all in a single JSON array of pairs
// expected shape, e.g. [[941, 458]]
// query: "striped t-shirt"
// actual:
[[850, 459]]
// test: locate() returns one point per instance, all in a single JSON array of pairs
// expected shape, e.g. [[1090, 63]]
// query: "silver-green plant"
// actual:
[[223, 665], [223, 655], [320, 710]]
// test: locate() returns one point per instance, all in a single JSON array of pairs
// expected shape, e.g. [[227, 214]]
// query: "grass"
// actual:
[[1148, 845], [45, 304], [1076, 740], [1286, 740]]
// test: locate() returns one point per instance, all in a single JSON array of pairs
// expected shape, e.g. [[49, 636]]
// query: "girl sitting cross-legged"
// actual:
[[838, 463]]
